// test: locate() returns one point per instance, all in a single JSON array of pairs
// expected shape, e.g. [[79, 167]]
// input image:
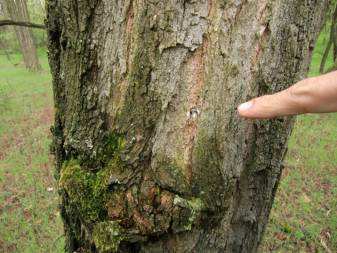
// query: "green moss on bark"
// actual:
[[88, 191], [85, 189], [107, 236], [189, 215], [113, 145]]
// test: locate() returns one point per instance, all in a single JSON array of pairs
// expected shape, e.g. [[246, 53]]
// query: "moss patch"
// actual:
[[190, 213], [89, 191], [86, 191], [107, 236], [114, 143]]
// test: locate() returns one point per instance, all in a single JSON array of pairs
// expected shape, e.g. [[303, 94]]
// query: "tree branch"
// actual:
[[21, 23]]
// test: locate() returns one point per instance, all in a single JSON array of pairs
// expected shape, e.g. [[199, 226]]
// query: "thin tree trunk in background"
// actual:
[[325, 55], [17, 11], [151, 155], [334, 35], [331, 43]]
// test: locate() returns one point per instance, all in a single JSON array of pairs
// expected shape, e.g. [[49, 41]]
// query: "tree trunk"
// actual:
[[331, 43], [17, 10], [334, 34], [151, 155]]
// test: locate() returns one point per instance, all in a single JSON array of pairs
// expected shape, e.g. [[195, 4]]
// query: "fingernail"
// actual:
[[245, 106]]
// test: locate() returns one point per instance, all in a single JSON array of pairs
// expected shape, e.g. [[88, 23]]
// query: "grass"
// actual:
[[303, 219], [29, 219]]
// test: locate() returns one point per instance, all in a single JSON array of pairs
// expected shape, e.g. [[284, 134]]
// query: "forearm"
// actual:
[[317, 94]]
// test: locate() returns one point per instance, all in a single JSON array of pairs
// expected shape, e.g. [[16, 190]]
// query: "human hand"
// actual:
[[311, 95]]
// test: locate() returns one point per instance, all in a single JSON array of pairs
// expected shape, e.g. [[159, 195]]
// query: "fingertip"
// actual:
[[244, 108]]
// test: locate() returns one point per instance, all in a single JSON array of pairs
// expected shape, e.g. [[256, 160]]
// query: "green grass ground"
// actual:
[[304, 217], [29, 219]]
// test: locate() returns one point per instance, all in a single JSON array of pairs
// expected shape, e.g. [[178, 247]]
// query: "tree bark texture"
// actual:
[[151, 155], [17, 11]]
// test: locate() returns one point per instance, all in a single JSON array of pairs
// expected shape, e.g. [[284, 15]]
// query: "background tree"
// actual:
[[332, 42], [150, 153], [17, 11]]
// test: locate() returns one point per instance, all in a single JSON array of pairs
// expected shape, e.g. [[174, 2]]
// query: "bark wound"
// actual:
[[196, 78]]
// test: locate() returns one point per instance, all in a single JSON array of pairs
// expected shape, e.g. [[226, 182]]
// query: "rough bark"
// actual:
[[17, 11], [151, 155]]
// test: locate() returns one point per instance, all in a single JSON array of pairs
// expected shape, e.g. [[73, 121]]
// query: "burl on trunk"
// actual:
[[151, 155]]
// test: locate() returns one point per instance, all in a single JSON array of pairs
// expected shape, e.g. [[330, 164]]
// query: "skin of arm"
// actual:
[[311, 95]]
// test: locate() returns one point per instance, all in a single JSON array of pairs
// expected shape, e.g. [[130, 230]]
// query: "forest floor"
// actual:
[[304, 215]]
